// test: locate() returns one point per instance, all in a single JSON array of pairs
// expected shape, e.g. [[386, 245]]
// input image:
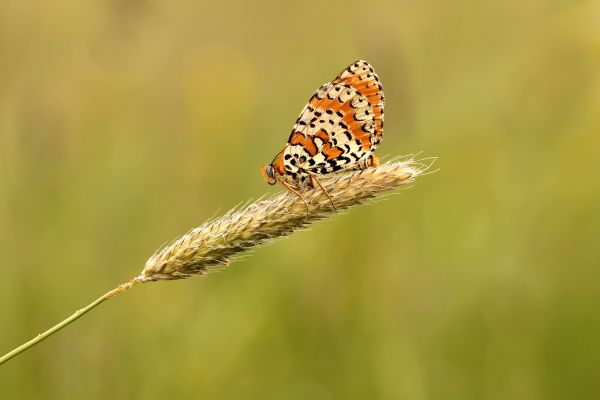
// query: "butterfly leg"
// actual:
[[313, 179], [291, 189]]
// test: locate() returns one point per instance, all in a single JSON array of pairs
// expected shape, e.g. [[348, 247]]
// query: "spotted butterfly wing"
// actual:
[[340, 127]]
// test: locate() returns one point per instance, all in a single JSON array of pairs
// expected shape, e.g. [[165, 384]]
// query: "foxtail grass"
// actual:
[[219, 241]]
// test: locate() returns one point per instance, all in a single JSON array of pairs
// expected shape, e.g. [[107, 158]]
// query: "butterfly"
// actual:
[[338, 130]]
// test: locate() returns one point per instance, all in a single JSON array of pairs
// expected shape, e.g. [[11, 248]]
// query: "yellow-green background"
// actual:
[[124, 123]]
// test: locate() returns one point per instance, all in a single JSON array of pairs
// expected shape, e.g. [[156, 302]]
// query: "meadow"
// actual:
[[125, 124]]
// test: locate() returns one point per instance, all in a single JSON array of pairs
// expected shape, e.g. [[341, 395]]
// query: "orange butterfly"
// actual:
[[338, 130]]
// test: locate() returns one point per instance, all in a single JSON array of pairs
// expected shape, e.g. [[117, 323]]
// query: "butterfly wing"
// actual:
[[341, 125]]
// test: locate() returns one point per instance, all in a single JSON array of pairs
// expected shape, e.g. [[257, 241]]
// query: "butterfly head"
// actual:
[[268, 173]]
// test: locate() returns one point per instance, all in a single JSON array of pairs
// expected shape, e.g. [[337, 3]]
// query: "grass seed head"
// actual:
[[217, 242]]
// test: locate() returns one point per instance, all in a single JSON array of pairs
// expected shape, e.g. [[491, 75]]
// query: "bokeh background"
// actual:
[[125, 123]]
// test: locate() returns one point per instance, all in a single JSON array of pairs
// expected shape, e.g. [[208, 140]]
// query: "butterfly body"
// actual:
[[338, 130]]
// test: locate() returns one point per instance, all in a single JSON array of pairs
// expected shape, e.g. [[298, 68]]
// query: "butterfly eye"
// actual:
[[270, 171]]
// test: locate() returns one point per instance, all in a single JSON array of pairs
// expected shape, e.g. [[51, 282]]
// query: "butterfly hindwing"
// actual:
[[341, 125]]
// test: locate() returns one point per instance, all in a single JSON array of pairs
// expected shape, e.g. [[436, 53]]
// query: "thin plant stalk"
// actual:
[[75, 316]]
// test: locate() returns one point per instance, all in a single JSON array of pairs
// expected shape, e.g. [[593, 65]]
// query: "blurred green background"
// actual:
[[125, 123]]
